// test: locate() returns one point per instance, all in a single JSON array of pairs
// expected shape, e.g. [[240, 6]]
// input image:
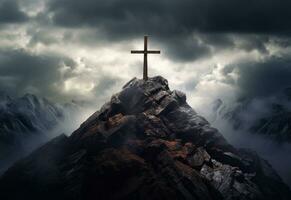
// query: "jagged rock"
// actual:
[[231, 182], [200, 156], [146, 143]]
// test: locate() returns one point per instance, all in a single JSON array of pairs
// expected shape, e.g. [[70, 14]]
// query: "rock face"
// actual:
[[146, 143]]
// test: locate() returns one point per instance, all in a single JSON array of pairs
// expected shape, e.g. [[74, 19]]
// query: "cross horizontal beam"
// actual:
[[143, 52]]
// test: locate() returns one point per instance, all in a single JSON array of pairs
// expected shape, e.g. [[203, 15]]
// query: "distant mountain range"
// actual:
[[271, 118], [29, 121]]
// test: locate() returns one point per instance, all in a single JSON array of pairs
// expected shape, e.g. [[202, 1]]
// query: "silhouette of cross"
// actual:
[[145, 53]]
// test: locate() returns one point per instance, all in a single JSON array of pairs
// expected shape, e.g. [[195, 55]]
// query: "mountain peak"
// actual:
[[161, 81], [145, 143]]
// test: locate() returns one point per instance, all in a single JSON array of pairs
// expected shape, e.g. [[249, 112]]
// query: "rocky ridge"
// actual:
[[145, 143]]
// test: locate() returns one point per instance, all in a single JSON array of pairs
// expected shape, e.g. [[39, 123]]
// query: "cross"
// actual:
[[145, 53]]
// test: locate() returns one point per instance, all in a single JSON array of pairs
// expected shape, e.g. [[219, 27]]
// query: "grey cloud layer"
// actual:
[[45, 75], [169, 17], [186, 30], [265, 78], [22, 72], [174, 22], [10, 12]]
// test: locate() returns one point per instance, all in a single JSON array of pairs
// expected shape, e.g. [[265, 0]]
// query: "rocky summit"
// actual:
[[146, 143]]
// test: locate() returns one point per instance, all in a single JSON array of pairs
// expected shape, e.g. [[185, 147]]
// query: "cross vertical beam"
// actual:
[[145, 53], [145, 59]]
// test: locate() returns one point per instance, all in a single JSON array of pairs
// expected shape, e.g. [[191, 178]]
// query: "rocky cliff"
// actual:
[[146, 143]]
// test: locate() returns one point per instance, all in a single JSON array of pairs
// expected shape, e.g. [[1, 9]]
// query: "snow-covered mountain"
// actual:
[[29, 121], [270, 117]]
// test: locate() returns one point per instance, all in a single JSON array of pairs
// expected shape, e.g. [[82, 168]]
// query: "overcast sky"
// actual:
[[80, 50], [72, 49]]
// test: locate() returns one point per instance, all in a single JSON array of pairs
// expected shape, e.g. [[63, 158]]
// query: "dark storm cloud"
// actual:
[[10, 12], [264, 78], [166, 16], [22, 72], [106, 83], [173, 20], [184, 49]]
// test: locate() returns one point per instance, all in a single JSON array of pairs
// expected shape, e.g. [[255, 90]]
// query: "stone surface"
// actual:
[[146, 143]]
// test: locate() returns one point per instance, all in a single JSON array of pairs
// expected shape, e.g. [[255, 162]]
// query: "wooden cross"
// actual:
[[145, 53]]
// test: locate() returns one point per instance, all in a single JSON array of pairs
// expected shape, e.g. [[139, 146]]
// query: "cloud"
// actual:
[[186, 32], [189, 30], [57, 77], [10, 12], [22, 72], [263, 78], [185, 49], [166, 16]]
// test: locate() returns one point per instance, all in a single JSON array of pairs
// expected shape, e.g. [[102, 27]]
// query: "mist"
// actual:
[[74, 115], [277, 153]]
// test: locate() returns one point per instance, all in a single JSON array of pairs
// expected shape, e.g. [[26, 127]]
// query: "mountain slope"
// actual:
[[26, 122], [146, 143], [269, 119]]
